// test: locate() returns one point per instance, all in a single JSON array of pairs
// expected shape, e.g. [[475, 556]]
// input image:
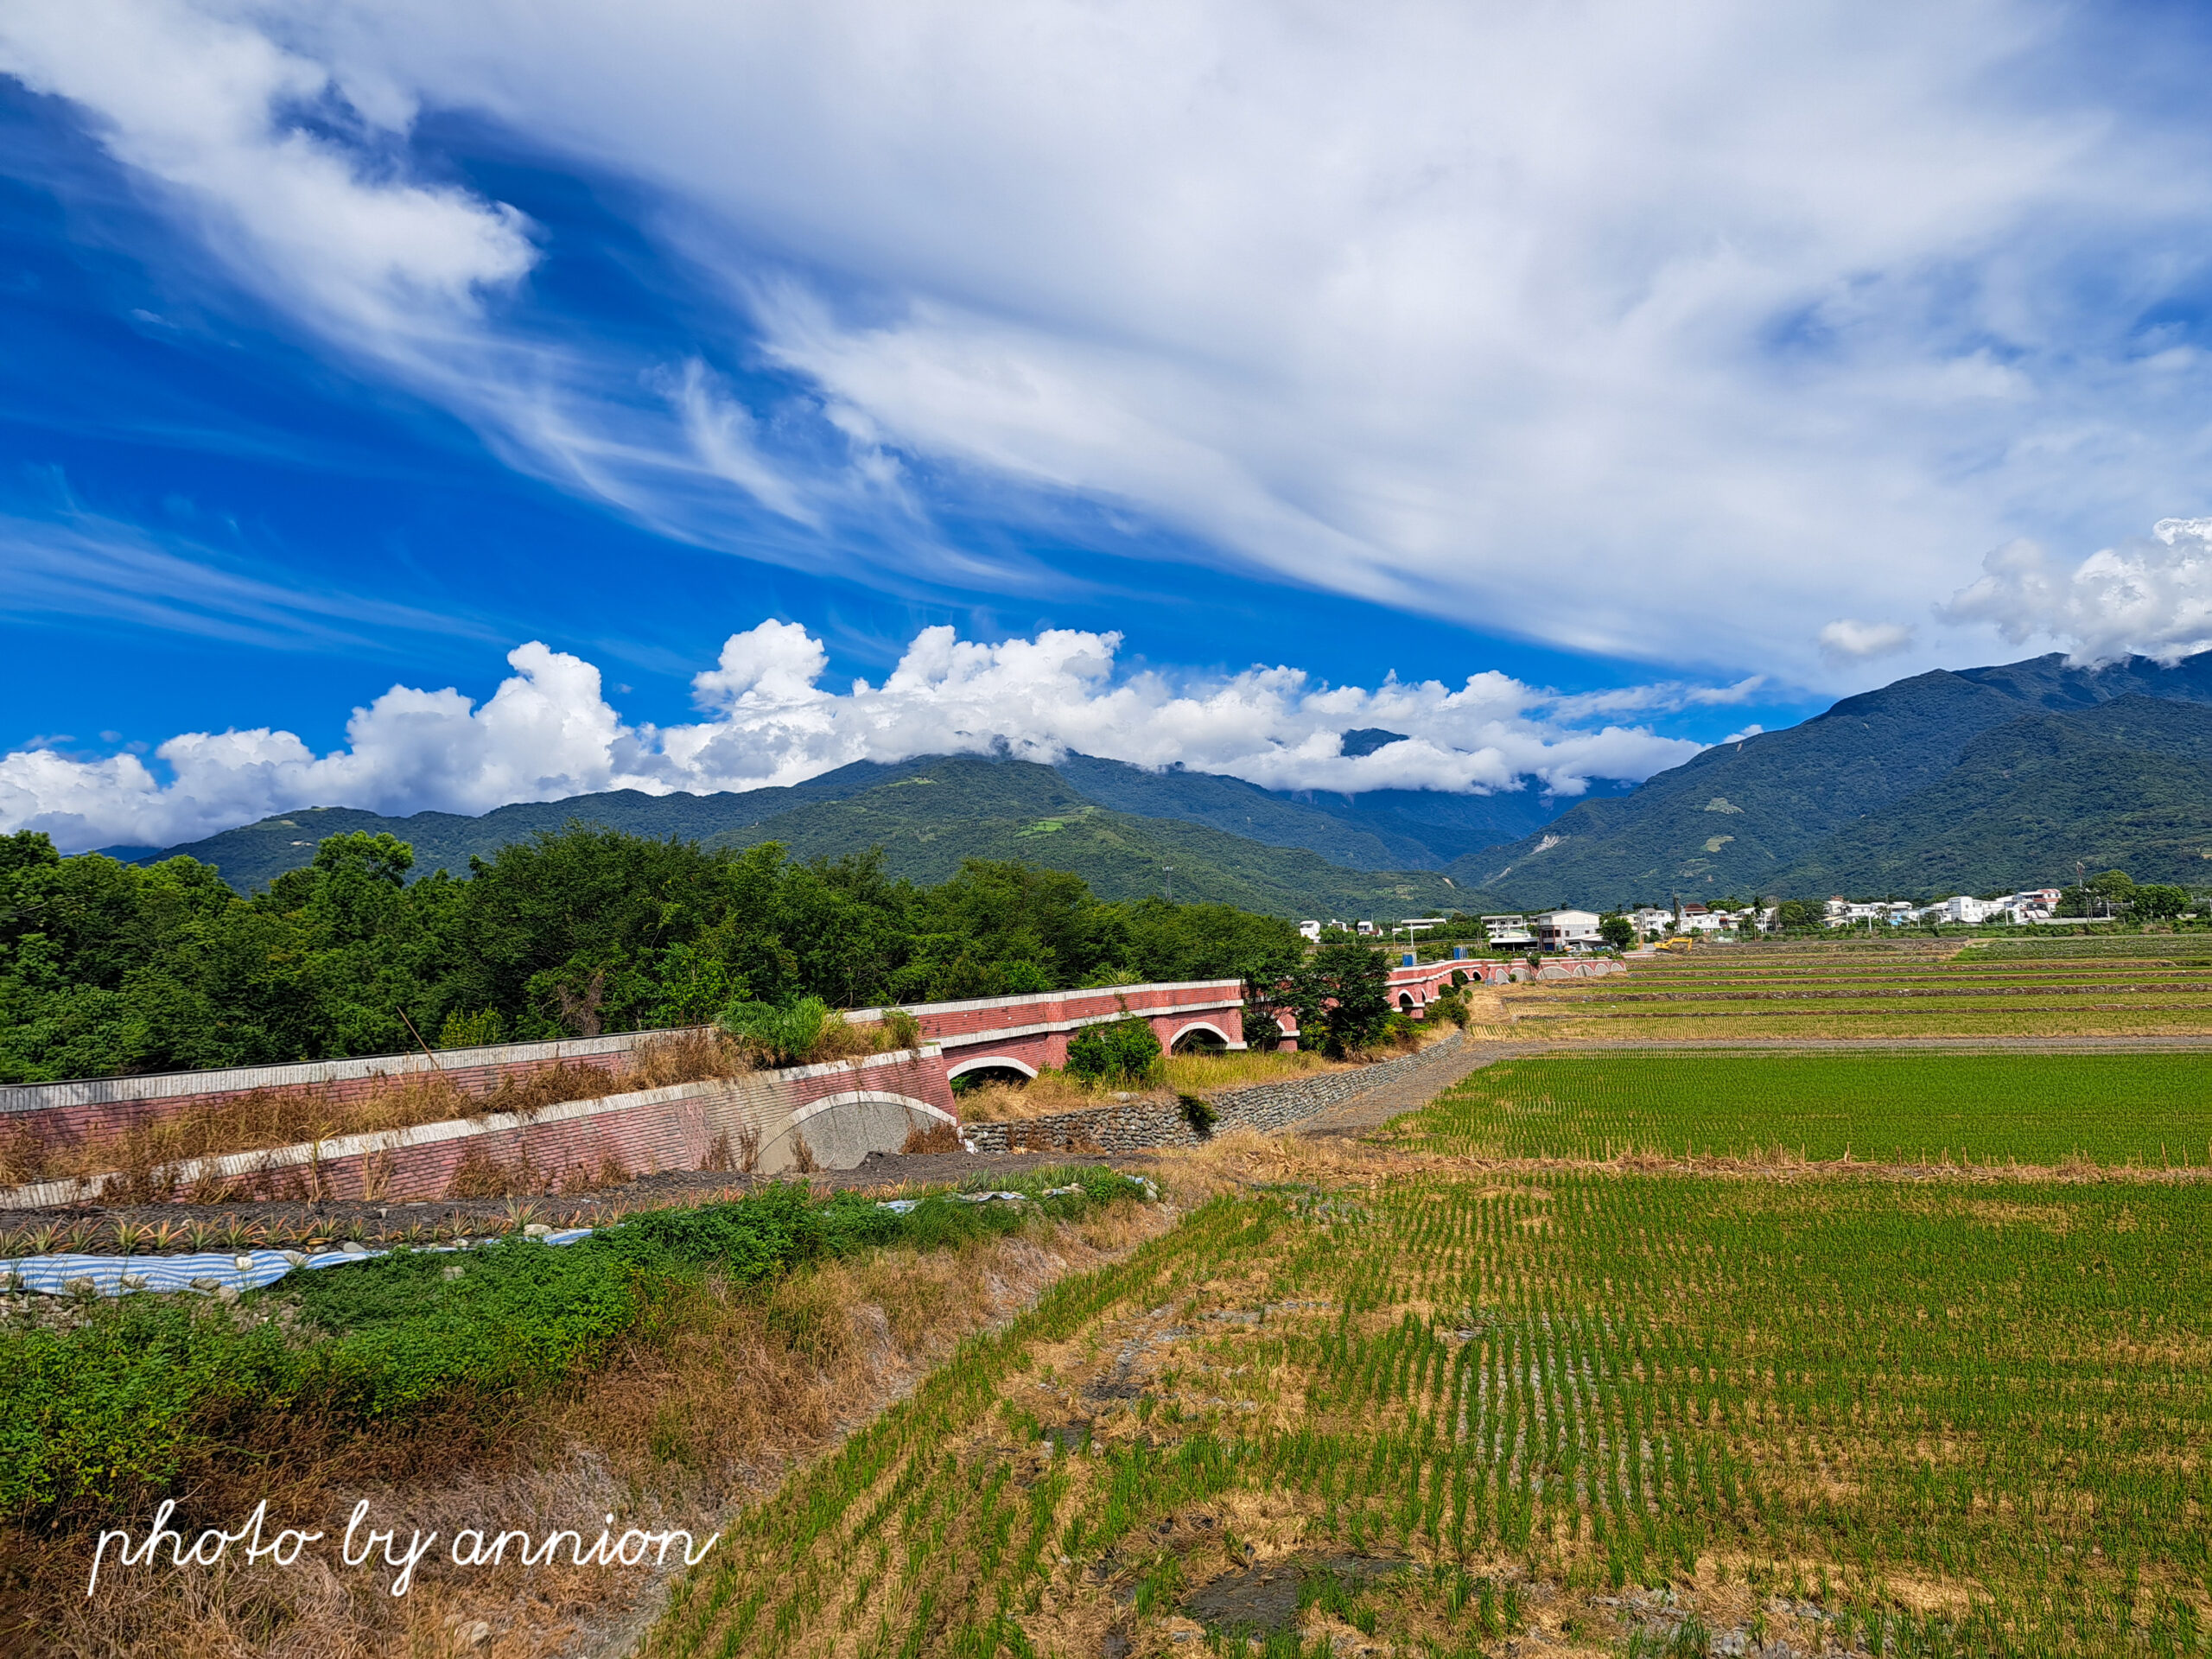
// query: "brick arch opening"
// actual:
[[991, 1063], [1198, 1035], [842, 1130]]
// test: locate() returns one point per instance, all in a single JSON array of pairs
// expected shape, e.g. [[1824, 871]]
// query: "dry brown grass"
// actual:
[[707, 1414], [1194, 1074], [1053, 1090], [1050, 1091], [936, 1135]]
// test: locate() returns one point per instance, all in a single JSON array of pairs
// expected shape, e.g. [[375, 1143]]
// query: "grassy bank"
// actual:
[[112, 1403]]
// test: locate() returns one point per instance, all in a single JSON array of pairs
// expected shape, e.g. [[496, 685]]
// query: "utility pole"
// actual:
[[1170, 869]]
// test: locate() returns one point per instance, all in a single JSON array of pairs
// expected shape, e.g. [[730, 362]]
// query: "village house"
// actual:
[[1566, 929]]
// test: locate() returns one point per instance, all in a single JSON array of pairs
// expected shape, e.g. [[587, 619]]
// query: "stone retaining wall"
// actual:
[[1140, 1123]]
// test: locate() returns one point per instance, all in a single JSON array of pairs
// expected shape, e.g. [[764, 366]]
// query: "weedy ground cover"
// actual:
[[1897, 1418], [109, 1408], [1877, 1106], [1055, 1090]]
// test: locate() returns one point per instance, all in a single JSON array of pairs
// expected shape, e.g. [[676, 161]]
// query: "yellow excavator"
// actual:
[[1675, 944]]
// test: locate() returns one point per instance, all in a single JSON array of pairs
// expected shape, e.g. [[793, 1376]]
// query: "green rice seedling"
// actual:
[[1870, 1107]]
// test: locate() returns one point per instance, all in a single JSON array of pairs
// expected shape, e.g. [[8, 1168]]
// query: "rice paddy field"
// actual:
[[1995, 1108], [1394, 1400], [2093, 985]]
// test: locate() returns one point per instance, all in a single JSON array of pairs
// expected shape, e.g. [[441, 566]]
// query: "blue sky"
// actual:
[[1668, 377]]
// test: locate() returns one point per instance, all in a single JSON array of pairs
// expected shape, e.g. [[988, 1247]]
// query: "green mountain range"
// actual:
[[2126, 785], [927, 815], [1973, 780], [1923, 784]]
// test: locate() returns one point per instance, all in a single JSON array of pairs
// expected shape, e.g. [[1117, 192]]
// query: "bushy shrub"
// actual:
[[1262, 1032], [785, 1035], [1122, 1050], [1453, 1006]]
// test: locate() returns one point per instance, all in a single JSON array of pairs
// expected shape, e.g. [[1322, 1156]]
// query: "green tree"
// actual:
[[106, 967], [1616, 931], [2158, 901], [1342, 995]]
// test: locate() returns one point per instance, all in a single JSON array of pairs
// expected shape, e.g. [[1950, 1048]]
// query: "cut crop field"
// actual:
[[1875, 1106], [2147, 985], [1414, 1413]]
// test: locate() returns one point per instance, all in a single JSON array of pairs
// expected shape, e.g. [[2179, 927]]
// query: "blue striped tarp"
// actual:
[[117, 1276]]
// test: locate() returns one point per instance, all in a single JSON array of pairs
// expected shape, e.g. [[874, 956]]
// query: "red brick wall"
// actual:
[[98, 1108]]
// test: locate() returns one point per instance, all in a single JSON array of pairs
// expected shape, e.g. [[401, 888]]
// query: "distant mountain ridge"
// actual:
[[1898, 790], [929, 813], [1964, 781]]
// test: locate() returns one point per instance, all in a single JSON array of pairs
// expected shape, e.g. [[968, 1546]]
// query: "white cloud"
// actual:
[[1846, 641], [1665, 332], [211, 109], [548, 733], [2151, 595]]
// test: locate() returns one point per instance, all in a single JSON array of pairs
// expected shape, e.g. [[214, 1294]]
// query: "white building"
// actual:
[[1507, 930], [1311, 930], [1566, 929], [1965, 910], [1651, 921]]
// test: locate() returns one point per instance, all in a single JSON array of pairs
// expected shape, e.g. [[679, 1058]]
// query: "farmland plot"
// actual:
[[1875, 1106], [2139, 985], [1417, 1412]]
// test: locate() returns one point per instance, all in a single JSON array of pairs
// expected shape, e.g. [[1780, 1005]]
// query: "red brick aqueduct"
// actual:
[[842, 1110]]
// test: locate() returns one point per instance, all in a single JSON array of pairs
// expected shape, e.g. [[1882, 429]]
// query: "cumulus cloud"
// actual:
[[1596, 323], [548, 733], [1846, 641], [2151, 596]]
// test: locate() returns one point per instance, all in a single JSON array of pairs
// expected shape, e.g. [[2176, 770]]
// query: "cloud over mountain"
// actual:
[[2151, 595], [549, 732]]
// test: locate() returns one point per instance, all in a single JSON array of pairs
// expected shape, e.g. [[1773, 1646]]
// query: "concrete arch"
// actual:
[[842, 1130], [1206, 1026], [990, 1063]]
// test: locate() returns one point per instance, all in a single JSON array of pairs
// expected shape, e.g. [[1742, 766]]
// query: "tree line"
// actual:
[[108, 968]]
